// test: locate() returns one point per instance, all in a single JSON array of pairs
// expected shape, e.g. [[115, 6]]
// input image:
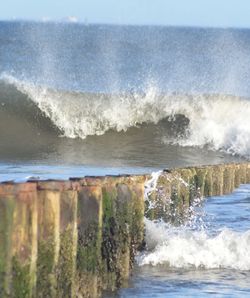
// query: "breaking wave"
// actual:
[[220, 122], [183, 248]]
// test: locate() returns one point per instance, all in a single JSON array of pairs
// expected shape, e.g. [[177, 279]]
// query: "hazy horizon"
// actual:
[[180, 13]]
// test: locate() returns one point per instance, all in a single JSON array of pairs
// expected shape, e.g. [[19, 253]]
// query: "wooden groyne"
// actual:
[[79, 237], [178, 189]]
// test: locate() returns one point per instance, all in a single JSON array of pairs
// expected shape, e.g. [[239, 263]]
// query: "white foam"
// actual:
[[185, 248], [219, 121]]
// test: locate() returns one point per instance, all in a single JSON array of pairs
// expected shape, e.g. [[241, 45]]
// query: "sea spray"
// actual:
[[151, 186]]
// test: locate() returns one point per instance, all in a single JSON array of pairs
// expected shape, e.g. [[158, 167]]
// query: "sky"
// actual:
[[212, 13]]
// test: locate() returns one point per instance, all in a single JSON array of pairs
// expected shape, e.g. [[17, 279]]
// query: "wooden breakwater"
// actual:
[[79, 237]]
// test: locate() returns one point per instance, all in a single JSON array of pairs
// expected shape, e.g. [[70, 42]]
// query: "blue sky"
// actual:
[[214, 13]]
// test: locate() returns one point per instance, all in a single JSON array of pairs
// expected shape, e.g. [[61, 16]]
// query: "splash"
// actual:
[[151, 186]]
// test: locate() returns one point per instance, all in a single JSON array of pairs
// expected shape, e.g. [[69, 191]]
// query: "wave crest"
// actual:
[[217, 121]]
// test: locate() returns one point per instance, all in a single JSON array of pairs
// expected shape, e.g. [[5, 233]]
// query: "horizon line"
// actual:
[[65, 20]]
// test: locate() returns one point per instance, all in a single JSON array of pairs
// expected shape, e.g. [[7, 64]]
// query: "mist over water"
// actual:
[[102, 58]]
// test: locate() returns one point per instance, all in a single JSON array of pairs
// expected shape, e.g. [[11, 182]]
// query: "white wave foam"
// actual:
[[220, 121], [183, 248]]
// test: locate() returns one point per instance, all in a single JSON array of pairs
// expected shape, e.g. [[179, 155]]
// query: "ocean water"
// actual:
[[81, 100]]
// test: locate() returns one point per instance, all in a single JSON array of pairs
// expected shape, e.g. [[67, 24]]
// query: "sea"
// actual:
[[79, 99]]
